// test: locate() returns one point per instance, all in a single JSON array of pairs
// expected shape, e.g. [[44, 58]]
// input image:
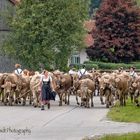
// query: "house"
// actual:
[[79, 57], [6, 6]]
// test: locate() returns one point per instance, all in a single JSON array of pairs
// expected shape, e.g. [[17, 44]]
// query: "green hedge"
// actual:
[[113, 66], [91, 66], [87, 66]]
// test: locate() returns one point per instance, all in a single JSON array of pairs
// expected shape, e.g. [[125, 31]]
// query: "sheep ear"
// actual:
[[89, 91], [23, 84], [13, 85], [134, 85], [2, 86]]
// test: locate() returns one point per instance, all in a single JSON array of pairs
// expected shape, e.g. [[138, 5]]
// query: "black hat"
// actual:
[[83, 66]]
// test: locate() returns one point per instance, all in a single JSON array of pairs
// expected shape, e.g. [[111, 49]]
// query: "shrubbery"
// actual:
[[113, 66], [88, 66]]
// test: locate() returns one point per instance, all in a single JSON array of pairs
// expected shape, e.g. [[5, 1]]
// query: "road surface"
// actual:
[[59, 123]]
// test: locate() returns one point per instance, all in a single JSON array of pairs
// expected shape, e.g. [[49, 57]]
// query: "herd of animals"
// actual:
[[23, 89]]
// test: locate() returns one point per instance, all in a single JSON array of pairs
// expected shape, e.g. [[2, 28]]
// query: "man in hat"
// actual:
[[82, 72], [18, 69], [120, 70], [72, 71], [132, 72]]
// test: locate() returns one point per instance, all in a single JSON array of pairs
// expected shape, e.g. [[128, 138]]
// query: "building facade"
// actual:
[[6, 7]]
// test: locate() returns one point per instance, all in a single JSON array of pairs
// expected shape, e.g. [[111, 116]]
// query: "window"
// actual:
[[75, 59]]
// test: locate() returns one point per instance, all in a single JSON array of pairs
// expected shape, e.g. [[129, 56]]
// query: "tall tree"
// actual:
[[47, 31], [138, 2], [117, 32]]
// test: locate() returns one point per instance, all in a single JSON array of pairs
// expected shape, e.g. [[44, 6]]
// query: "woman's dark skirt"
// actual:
[[46, 93]]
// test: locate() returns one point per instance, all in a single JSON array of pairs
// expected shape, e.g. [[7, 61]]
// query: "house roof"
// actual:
[[89, 26], [15, 1]]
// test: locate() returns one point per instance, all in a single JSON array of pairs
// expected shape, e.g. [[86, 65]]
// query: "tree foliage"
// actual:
[[138, 2], [47, 31], [117, 35]]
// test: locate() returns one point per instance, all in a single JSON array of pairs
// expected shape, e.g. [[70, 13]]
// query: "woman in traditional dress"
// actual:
[[46, 89]]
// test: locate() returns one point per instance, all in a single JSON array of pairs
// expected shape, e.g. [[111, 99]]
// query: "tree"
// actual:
[[138, 2], [47, 31], [117, 32]]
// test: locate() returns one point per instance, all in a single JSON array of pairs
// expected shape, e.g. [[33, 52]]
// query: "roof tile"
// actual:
[[89, 25]]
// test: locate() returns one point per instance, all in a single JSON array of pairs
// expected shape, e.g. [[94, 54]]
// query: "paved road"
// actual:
[[58, 123]]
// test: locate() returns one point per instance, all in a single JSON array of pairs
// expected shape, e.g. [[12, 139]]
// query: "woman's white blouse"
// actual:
[[44, 79]]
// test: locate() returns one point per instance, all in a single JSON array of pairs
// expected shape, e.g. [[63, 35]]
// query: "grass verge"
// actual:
[[129, 136], [129, 113]]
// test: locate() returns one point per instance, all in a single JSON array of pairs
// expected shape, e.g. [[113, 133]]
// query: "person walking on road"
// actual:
[[47, 89]]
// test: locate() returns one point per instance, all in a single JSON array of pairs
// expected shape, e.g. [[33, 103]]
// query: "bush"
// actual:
[[137, 65], [91, 66], [113, 66], [89, 62], [87, 66], [77, 66]]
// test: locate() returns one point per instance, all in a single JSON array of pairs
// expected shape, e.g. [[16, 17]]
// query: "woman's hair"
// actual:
[[45, 71]]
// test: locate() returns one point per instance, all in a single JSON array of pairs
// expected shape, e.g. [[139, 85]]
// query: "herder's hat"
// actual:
[[17, 65]]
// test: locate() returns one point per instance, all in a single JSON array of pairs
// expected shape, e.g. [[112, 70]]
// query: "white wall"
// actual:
[[6, 63], [83, 56]]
